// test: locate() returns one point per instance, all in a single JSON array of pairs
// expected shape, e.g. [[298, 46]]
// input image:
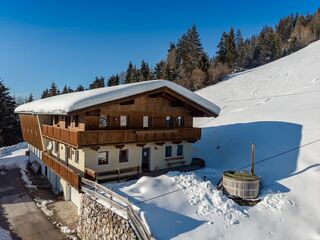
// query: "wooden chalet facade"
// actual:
[[145, 127]]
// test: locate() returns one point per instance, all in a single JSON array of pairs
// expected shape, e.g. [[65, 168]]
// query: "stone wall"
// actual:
[[98, 222]]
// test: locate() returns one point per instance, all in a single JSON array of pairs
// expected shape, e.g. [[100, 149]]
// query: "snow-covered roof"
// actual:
[[66, 103]]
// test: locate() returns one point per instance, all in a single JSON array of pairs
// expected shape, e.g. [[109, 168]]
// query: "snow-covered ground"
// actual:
[[276, 106]]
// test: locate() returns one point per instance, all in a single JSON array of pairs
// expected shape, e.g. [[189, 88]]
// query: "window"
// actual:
[[77, 156], [168, 122], [68, 153], [123, 121], [123, 156], [103, 121], [168, 151], [180, 150], [180, 121], [103, 158], [56, 147], [145, 121]]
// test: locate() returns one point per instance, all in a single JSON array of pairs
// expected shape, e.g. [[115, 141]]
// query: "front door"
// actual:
[[145, 159]]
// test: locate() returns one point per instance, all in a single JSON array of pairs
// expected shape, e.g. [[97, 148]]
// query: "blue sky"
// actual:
[[70, 42]]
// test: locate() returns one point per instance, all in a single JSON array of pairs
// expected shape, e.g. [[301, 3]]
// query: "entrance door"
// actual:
[[145, 159]]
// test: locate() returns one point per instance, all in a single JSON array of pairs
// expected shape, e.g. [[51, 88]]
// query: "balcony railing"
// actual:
[[62, 170], [100, 137]]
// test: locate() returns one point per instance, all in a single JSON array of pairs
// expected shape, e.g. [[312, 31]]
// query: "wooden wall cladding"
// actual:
[[31, 130]]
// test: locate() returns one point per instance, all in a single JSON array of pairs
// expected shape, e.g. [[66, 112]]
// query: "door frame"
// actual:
[[142, 157]]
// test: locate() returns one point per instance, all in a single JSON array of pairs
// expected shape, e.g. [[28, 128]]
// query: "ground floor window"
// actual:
[[77, 156], [103, 158], [123, 156], [180, 150], [168, 151]]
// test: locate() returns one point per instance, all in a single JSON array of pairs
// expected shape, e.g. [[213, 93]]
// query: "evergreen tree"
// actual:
[[231, 49], [53, 90], [159, 70], [80, 88], [189, 55], [113, 80], [145, 71], [9, 125], [98, 82], [45, 93], [30, 98], [66, 89], [171, 69], [221, 55], [130, 73]]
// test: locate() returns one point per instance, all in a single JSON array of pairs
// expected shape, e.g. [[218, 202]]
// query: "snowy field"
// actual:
[[276, 106]]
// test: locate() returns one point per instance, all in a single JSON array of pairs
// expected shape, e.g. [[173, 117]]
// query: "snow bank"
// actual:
[[4, 234], [275, 106], [66, 103]]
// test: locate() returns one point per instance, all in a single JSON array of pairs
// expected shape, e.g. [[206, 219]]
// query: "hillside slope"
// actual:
[[276, 106]]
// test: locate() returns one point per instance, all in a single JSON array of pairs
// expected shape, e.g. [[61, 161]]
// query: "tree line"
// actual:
[[187, 64]]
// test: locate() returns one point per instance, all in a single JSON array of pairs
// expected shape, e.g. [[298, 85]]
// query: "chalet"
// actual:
[[114, 132]]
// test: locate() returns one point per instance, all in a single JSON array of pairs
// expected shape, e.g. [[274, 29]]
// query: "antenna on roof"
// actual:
[[252, 159]]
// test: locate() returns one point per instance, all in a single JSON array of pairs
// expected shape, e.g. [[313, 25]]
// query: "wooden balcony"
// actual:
[[62, 170], [105, 137]]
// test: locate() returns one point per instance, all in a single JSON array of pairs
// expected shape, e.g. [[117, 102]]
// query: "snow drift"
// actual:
[[276, 106]]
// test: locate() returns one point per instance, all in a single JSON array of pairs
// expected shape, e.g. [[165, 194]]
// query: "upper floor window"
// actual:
[[124, 122], [168, 121], [103, 158], [56, 147], [180, 150], [180, 121], [103, 121], [123, 156], [146, 122], [168, 152]]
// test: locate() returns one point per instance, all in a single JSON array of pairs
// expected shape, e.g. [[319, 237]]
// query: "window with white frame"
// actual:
[[123, 121], [76, 159], [180, 150], [145, 121], [168, 151], [103, 158]]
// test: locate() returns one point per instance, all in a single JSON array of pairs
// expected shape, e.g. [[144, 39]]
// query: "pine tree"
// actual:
[[130, 73], [159, 70], [53, 90], [98, 82], [80, 88], [231, 49], [145, 71], [45, 93], [189, 55], [66, 89], [171, 69], [9, 125], [30, 98], [113, 80], [221, 55]]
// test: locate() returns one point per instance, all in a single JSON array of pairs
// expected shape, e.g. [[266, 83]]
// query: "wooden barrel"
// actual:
[[241, 184]]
